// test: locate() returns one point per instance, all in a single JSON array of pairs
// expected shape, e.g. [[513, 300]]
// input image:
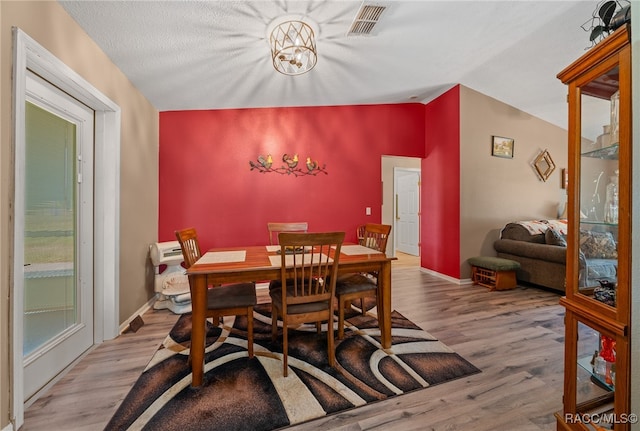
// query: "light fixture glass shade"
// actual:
[[293, 47]]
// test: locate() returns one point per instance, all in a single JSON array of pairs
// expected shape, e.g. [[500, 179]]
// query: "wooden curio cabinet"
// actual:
[[598, 294]]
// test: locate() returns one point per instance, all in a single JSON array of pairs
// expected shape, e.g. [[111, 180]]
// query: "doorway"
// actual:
[[407, 210], [389, 164], [54, 195]]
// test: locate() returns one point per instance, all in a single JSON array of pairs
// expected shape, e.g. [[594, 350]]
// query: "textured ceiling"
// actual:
[[186, 55]]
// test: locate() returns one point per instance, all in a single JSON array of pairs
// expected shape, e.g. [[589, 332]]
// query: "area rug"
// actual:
[[239, 393]]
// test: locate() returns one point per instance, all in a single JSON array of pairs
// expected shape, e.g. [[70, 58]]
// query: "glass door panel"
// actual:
[[595, 377], [50, 228], [598, 188]]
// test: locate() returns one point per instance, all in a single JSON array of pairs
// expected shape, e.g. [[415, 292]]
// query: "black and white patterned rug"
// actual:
[[239, 393]]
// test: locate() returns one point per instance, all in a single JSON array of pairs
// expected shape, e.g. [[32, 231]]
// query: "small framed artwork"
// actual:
[[544, 165], [502, 147]]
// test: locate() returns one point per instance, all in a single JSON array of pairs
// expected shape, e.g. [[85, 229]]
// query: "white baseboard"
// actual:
[[146, 307], [446, 277]]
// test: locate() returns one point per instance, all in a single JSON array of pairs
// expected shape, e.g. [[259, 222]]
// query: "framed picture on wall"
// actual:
[[502, 147]]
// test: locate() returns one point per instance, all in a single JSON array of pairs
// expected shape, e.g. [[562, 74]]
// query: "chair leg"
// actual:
[[274, 324], [285, 348], [250, 331], [362, 305], [215, 319], [330, 348], [341, 307]]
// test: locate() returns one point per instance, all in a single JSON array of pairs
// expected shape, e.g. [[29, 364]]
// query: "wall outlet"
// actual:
[[367, 211]]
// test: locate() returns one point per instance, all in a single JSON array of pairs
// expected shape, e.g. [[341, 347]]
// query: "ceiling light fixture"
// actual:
[[293, 47]]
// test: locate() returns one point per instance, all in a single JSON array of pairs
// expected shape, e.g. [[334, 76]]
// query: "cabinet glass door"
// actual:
[[595, 378], [598, 188]]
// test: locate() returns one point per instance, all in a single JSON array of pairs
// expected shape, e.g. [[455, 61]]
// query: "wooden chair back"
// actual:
[[360, 234], [226, 300], [375, 236], [188, 239], [314, 269], [275, 228]]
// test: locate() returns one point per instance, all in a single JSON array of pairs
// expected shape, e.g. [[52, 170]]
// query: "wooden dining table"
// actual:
[[256, 263]]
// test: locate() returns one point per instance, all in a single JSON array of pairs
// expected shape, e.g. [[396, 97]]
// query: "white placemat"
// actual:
[[275, 260], [223, 257], [357, 249]]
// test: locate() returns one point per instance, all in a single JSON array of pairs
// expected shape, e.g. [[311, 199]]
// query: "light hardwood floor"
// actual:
[[515, 337]]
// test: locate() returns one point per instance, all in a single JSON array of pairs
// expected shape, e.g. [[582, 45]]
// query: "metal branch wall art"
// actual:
[[290, 166]]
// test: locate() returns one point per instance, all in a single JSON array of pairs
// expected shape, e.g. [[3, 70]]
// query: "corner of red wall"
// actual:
[[440, 194]]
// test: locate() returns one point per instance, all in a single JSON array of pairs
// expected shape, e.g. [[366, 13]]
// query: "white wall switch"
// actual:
[[367, 211]]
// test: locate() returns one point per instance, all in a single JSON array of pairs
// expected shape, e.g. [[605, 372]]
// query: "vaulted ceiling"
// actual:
[[185, 55]]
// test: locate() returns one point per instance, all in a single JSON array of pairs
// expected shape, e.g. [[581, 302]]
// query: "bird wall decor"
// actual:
[[292, 162], [264, 165]]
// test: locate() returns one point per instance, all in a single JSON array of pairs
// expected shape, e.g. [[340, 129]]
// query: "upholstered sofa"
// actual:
[[540, 248]]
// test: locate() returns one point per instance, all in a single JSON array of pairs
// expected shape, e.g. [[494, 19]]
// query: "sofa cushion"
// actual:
[[553, 237], [518, 232], [531, 250], [598, 245]]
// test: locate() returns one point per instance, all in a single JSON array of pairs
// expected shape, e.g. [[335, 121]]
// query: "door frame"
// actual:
[[29, 54]]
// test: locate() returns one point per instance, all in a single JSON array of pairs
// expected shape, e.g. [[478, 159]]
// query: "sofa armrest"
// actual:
[[551, 253]]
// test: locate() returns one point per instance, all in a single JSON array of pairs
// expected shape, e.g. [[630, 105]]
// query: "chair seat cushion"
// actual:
[[276, 300], [276, 284], [494, 263], [231, 296], [350, 283]]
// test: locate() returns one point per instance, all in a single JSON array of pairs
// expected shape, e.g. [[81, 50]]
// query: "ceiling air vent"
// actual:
[[366, 19]]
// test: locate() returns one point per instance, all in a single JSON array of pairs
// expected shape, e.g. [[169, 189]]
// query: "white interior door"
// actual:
[[54, 238], [407, 210]]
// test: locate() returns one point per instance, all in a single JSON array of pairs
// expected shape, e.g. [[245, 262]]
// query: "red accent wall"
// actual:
[[206, 182], [440, 198]]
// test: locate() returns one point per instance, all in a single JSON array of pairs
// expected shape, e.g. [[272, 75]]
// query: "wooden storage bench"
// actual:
[[495, 273]]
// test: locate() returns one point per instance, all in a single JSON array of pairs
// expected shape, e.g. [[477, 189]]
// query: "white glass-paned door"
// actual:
[[56, 200]]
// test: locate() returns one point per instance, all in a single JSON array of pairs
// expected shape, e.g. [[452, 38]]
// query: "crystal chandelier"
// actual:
[[293, 47]]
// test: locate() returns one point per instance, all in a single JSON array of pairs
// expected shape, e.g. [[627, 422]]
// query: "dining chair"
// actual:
[[275, 228], [308, 282], [360, 234], [354, 286], [226, 300]]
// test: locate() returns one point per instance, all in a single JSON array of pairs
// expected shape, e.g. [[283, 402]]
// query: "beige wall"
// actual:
[[49, 25], [493, 190]]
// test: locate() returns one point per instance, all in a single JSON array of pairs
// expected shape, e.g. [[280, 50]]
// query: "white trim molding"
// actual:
[[146, 307], [446, 277]]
